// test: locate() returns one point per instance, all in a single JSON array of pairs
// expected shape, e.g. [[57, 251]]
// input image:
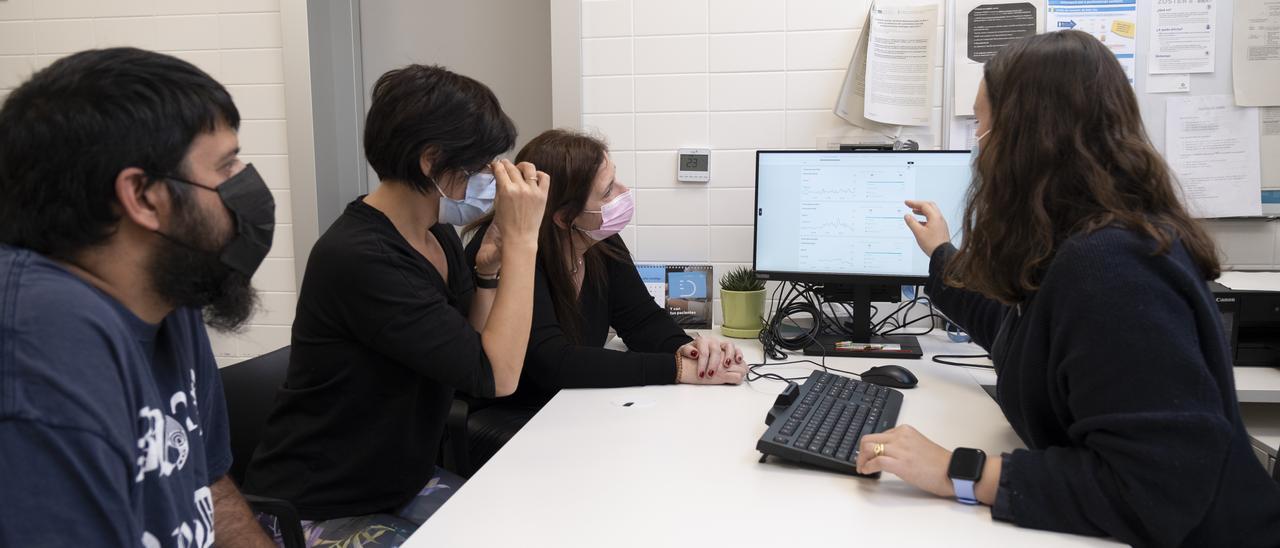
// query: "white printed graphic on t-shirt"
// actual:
[[197, 534], [164, 445]]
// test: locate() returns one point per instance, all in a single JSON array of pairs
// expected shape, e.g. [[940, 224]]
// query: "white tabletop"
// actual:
[[679, 467]]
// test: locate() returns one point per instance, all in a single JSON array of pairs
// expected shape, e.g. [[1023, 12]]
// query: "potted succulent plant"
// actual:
[[742, 299]]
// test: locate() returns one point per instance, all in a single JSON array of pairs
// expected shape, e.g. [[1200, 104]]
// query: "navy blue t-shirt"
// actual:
[[111, 429]]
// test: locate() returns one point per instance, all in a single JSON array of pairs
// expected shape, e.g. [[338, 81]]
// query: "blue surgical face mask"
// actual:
[[481, 190]]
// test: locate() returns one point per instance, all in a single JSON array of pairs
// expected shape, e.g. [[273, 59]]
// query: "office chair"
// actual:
[[477, 428], [250, 391]]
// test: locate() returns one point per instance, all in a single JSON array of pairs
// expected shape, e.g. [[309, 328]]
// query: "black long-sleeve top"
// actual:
[[1116, 376], [380, 343], [620, 301]]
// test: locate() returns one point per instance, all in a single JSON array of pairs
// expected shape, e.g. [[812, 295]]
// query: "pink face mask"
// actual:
[[614, 216]]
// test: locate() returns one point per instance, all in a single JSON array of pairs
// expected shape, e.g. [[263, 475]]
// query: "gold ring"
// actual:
[[879, 449]]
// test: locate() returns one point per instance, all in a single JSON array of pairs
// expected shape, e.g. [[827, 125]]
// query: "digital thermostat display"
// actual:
[[693, 165], [693, 162]]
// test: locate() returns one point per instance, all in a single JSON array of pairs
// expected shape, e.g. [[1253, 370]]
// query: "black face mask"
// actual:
[[253, 212]]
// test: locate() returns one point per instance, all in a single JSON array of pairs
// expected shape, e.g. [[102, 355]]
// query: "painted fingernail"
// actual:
[[693, 354], [700, 375]]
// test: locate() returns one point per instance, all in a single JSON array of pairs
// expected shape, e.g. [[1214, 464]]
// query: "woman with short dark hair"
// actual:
[[390, 321], [1085, 277]]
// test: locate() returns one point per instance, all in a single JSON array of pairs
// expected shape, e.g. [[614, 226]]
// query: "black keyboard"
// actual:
[[822, 421]]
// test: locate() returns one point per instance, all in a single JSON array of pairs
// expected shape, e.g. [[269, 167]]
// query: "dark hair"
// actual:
[[1067, 154], [571, 160], [68, 132], [419, 109]]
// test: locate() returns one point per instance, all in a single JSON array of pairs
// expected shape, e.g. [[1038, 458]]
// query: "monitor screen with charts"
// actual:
[[837, 216]]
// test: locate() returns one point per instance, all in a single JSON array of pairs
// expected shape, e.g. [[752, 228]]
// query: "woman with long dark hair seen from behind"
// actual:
[[1085, 277]]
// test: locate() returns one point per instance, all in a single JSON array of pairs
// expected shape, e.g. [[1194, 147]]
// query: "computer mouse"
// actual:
[[893, 376]]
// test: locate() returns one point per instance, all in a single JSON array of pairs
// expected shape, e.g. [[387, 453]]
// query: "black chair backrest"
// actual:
[[250, 389]]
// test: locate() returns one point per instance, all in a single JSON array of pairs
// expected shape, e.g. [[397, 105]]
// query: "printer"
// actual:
[[1252, 322]]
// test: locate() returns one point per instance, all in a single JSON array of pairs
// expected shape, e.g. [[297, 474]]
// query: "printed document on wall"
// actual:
[[892, 68], [1255, 52], [1112, 22], [851, 103], [1212, 146], [1182, 36], [982, 28], [1269, 146], [1269, 149], [900, 60]]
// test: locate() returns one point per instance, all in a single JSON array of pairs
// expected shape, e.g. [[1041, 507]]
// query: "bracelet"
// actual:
[[484, 282], [679, 366]]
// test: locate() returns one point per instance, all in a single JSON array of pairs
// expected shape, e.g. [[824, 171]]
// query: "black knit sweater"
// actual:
[[1116, 376]]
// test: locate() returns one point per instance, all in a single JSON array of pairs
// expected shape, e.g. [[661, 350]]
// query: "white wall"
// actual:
[[732, 75], [741, 75], [238, 42]]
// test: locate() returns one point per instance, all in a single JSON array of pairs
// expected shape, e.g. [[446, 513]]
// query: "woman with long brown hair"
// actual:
[[1085, 277], [587, 283]]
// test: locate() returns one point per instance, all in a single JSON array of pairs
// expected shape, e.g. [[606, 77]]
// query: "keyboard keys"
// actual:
[[827, 422]]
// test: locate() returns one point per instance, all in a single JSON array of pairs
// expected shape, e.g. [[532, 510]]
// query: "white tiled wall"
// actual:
[[731, 75], [236, 41], [736, 76]]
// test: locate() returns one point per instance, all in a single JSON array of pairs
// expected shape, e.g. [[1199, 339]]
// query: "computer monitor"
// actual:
[[836, 218]]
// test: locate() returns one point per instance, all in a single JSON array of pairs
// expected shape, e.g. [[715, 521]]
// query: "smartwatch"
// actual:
[[965, 471]]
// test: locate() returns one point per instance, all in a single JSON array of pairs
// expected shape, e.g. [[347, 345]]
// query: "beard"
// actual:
[[186, 271]]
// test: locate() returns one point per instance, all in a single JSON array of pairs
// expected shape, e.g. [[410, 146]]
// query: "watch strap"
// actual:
[[964, 490]]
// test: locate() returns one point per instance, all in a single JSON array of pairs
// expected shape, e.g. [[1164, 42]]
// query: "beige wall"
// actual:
[[506, 44], [238, 42]]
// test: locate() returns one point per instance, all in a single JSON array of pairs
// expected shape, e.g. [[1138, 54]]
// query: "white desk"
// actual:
[[679, 468]]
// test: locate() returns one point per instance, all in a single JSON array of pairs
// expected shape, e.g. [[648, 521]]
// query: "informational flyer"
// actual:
[[983, 27], [1113, 22], [1255, 52], [890, 78], [1212, 146], [1182, 36]]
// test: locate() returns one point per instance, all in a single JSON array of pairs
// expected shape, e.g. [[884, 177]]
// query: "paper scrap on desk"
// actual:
[[1255, 52], [1113, 22], [890, 79], [1168, 83], [983, 27], [1212, 146], [1182, 36]]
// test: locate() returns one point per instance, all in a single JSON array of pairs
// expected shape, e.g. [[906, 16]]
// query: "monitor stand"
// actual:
[[863, 344]]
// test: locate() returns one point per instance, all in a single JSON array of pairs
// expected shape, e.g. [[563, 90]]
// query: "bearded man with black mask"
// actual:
[[127, 221]]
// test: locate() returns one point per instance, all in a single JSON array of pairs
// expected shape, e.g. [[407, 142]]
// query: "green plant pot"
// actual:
[[742, 313]]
